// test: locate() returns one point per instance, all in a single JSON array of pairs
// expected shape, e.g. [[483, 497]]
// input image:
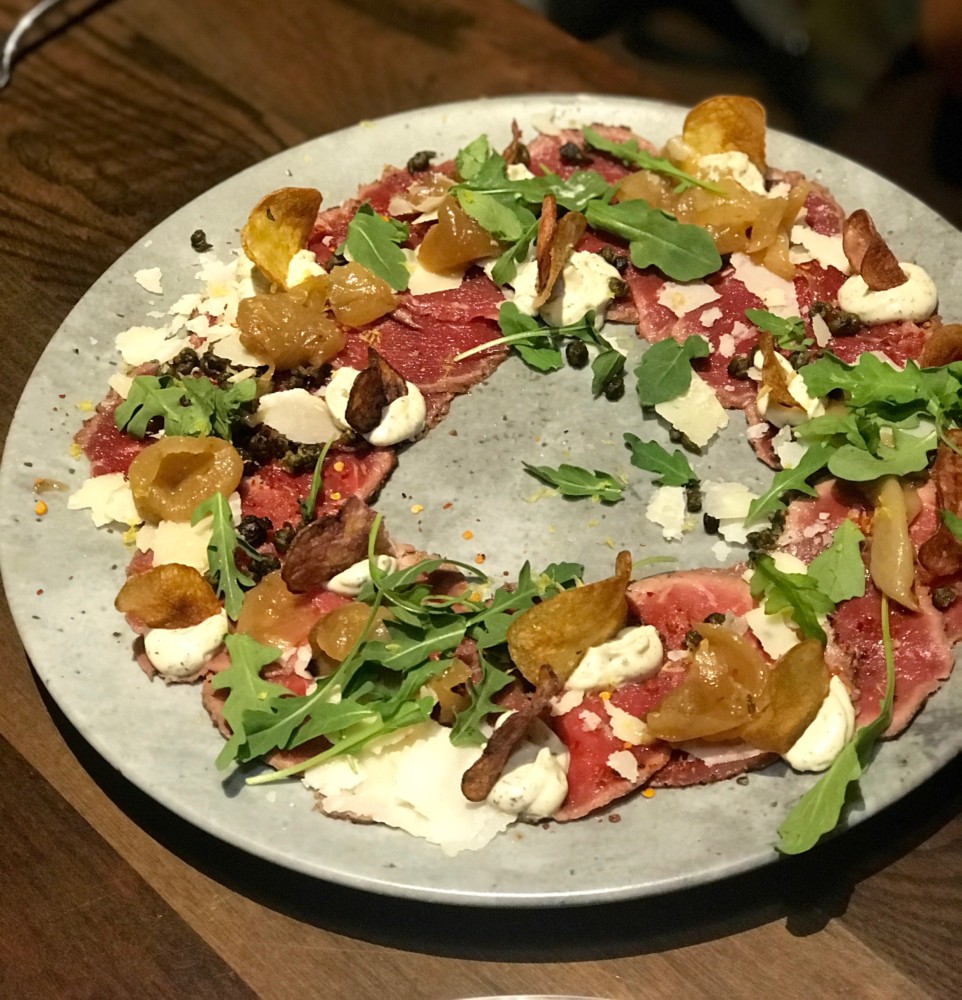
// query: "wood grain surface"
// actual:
[[115, 120]]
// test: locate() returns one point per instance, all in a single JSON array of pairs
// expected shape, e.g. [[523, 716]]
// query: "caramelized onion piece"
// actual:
[[335, 633], [271, 614], [168, 596], [357, 296], [725, 687], [455, 241], [869, 254], [559, 631], [450, 701], [891, 555], [278, 227], [172, 476], [290, 329], [797, 686]]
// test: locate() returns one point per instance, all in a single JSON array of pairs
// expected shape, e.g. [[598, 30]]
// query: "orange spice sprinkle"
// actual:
[[626, 744], [467, 535], [416, 508], [338, 466], [648, 793], [40, 508], [447, 506], [605, 695], [335, 496], [479, 558]]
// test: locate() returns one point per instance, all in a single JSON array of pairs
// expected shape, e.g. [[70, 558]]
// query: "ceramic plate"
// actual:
[[61, 574]]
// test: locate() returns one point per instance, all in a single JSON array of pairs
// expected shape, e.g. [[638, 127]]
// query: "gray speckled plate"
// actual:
[[61, 574]]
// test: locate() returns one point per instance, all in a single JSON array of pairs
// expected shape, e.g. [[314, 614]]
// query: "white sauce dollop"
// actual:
[[827, 734], [351, 581], [401, 420], [634, 654], [179, 652], [535, 779], [913, 301], [585, 286]]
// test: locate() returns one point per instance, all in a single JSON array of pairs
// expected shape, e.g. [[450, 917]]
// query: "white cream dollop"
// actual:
[[585, 286], [535, 779], [634, 654], [913, 301], [176, 653], [401, 420], [827, 733], [351, 581]]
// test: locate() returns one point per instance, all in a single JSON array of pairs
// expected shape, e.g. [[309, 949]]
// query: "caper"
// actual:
[[576, 353], [614, 388]]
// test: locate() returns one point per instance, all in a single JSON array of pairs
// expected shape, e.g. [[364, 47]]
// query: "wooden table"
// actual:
[[105, 130]]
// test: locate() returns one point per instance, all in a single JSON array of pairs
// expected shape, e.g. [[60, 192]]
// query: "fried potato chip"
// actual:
[[727, 124], [557, 632], [278, 227], [168, 596]]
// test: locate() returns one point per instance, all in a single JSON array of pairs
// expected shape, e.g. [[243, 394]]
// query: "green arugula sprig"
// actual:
[[797, 593], [573, 481], [228, 579], [788, 334], [838, 570], [189, 407], [665, 369], [679, 250], [375, 242], [795, 479], [670, 469], [818, 811], [630, 153], [307, 505]]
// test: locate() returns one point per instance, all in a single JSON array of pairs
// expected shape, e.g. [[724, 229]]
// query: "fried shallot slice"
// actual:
[[516, 151], [941, 555], [773, 374], [556, 241], [943, 346], [329, 545], [374, 388], [483, 774], [869, 254]]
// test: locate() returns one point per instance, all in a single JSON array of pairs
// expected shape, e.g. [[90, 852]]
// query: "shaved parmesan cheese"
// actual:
[[424, 282], [590, 721], [721, 550], [177, 542], [667, 509], [729, 503], [141, 344], [788, 450], [566, 702], [411, 781], [297, 414], [726, 345], [108, 498], [776, 293], [827, 250], [231, 349], [627, 727], [623, 763], [710, 317], [717, 753], [774, 632], [696, 412], [735, 164], [120, 383], [303, 265], [684, 298], [150, 280]]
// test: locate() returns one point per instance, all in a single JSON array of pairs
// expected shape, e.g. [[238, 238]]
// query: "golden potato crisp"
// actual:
[[168, 596], [558, 632], [727, 124], [278, 227]]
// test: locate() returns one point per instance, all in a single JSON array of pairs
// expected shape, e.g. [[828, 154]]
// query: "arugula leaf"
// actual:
[[839, 570], [789, 334], [189, 407], [467, 725], [248, 692], [574, 193], [629, 152], [410, 645], [504, 219], [228, 580], [506, 266], [572, 481], [818, 811], [308, 504], [671, 470], [665, 369], [680, 250], [607, 364], [796, 478], [375, 242], [907, 453], [952, 521], [797, 592], [472, 157], [528, 337]]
